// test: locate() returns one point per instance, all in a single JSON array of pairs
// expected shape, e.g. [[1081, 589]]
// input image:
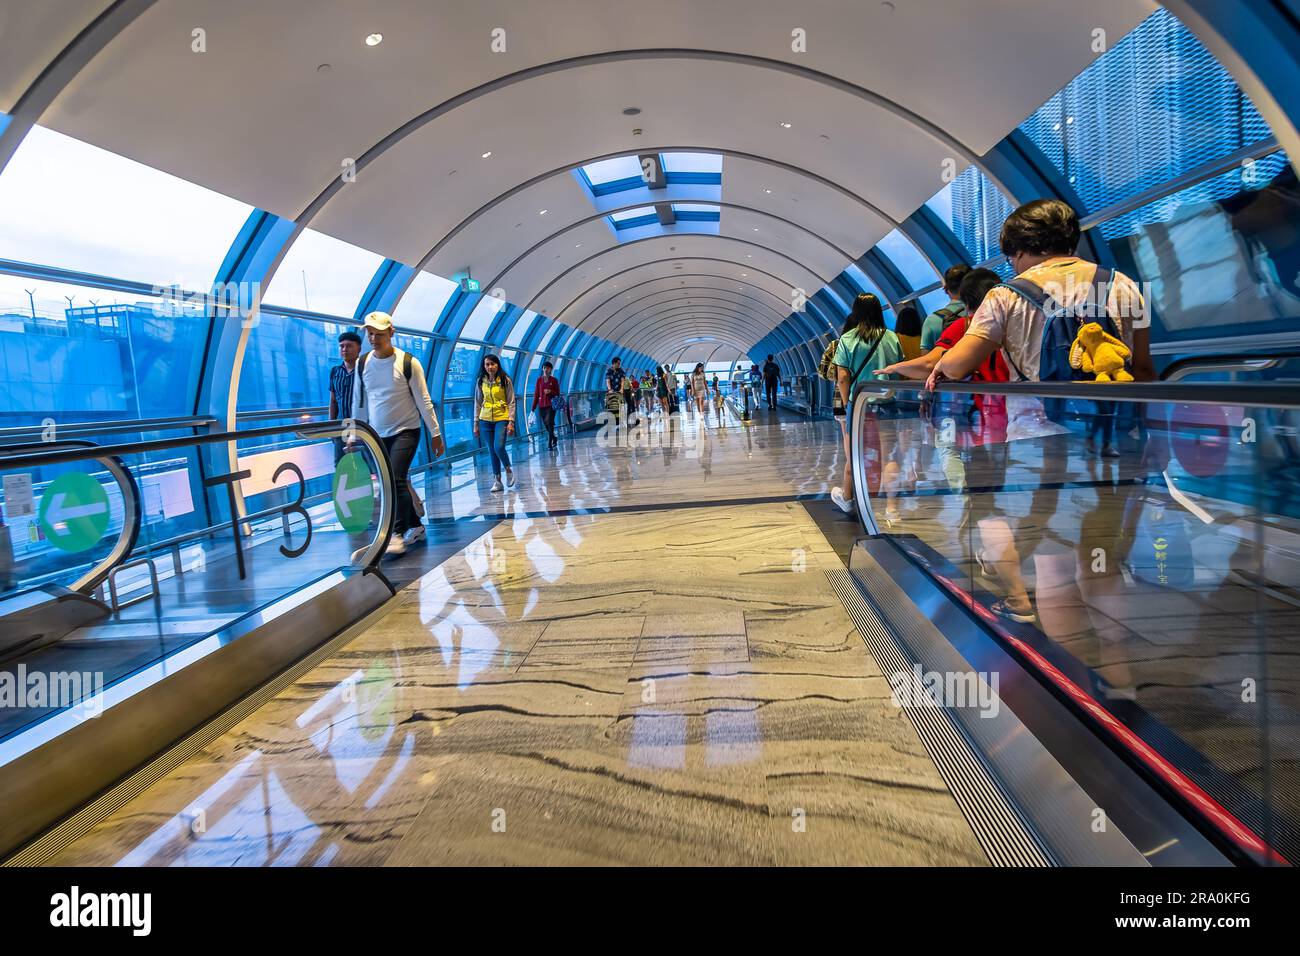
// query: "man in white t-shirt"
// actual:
[[392, 396]]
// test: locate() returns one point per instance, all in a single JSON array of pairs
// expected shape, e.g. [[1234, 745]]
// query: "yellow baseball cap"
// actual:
[[379, 321]]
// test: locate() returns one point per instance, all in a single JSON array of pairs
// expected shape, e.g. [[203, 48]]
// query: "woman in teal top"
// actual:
[[864, 346]]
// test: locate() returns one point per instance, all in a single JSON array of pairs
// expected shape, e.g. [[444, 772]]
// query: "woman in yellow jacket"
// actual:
[[494, 416]]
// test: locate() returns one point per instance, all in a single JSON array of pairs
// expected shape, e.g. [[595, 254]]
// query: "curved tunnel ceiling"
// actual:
[[869, 130]]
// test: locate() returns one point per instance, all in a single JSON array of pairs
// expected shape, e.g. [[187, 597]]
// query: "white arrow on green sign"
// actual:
[[74, 512], [354, 492]]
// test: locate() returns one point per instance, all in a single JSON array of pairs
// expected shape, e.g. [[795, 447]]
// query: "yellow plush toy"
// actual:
[[1100, 354]]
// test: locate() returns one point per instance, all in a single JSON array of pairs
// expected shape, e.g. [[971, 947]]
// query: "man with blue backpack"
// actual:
[[1036, 317]]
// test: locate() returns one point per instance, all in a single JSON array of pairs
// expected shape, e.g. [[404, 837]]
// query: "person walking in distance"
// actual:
[[545, 393], [390, 393], [494, 416], [771, 377]]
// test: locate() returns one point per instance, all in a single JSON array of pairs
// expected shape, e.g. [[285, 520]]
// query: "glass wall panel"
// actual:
[[287, 362], [323, 274], [68, 204], [423, 302], [79, 354], [1155, 106], [915, 267], [974, 209], [462, 370], [522, 324], [1214, 265], [480, 320]]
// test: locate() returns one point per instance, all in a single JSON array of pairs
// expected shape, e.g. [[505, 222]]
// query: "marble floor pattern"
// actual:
[[716, 458], [663, 687]]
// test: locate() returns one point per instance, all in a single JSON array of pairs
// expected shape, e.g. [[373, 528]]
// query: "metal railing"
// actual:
[[32, 456]]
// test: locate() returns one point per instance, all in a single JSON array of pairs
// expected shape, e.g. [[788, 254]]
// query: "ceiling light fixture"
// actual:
[[374, 39], [632, 111], [768, 191], [785, 126], [542, 213], [487, 154]]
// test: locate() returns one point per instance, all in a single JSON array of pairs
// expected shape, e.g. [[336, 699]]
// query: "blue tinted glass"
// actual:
[[908, 260], [1153, 107], [974, 209], [1218, 258], [480, 320], [100, 356], [462, 370], [287, 363]]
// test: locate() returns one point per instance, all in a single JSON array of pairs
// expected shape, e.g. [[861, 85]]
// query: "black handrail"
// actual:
[[306, 430], [1177, 369], [1256, 395], [132, 514]]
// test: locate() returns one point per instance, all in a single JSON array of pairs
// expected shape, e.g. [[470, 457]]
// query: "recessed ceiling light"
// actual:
[[323, 68], [542, 213], [768, 191], [632, 111], [374, 39], [577, 245], [756, 228], [785, 126], [487, 154]]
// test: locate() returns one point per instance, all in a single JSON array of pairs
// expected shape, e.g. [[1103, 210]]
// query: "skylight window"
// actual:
[[636, 213], [693, 163], [697, 212], [609, 170]]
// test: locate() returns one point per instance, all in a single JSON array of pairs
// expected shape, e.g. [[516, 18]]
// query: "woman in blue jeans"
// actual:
[[494, 416]]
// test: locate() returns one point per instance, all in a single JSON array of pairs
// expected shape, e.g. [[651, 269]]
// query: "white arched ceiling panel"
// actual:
[[281, 126], [34, 33], [622, 286], [566, 117], [567, 285]]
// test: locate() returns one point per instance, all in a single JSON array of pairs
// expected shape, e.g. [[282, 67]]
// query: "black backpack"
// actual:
[[361, 377], [1062, 325]]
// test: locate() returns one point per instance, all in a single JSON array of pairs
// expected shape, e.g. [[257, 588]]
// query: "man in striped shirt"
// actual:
[[341, 379]]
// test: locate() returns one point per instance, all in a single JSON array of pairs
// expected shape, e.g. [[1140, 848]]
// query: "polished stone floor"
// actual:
[[654, 686], [689, 459]]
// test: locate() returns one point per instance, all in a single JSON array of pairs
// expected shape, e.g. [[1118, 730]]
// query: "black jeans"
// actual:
[[771, 384], [401, 449], [548, 419]]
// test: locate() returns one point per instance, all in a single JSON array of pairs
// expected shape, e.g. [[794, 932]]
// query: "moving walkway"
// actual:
[[1136, 615]]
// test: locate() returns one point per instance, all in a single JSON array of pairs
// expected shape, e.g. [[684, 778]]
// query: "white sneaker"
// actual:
[[496, 488], [413, 535], [510, 478], [844, 504], [396, 546]]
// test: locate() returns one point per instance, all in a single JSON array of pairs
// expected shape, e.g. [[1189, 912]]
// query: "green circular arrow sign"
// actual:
[[74, 512], [354, 492]]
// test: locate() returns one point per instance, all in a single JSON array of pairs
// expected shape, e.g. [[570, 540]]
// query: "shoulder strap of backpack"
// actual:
[[1030, 291], [406, 365], [361, 381]]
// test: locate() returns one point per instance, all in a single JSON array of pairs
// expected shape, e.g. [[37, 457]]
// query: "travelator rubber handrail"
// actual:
[[1227, 362], [331, 429], [132, 518], [83, 429], [1251, 394]]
